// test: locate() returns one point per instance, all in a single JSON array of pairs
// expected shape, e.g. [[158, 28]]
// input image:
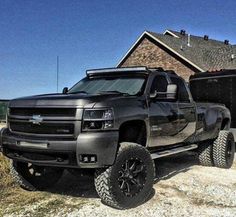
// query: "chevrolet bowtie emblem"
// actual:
[[36, 119]]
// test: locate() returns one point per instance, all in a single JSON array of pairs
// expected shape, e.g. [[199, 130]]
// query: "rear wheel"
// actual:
[[129, 181], [205, 153], [32, 177], [224, 149]]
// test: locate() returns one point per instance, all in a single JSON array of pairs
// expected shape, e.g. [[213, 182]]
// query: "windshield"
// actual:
[[125, 85]]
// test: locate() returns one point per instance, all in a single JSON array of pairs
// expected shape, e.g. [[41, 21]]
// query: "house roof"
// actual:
[[201, 54]]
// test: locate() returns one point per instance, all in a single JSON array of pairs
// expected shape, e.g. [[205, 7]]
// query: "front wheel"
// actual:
[[32, 177], [129, 181]]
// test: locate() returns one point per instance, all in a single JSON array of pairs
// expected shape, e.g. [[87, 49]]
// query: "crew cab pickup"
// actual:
[[115, 122]]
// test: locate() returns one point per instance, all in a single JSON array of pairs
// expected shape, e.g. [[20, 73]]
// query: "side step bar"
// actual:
[[172, 151]]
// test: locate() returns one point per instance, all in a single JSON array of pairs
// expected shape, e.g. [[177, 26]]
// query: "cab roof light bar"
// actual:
[[115, 70]]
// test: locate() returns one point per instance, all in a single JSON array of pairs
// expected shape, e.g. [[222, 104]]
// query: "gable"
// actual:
[[164, 46], [148, 53], [200, 55]]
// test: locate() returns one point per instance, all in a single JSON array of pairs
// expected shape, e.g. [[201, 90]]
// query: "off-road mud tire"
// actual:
[[224, 150], [114, 192], [205, 153], [22, 176]]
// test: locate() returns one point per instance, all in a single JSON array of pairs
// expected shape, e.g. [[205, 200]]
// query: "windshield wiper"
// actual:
[[113, 92]]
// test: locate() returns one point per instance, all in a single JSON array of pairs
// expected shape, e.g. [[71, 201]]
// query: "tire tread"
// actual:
[[102, 179], [205, 154], [19, 179], [219, 149]]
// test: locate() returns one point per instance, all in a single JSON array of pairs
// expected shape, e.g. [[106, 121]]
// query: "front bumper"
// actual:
[[63, 153]]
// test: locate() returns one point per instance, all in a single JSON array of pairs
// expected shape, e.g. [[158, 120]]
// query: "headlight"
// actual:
[[98, 119]]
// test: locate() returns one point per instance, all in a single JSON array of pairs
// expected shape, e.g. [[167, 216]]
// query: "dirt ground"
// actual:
[[182, 188]]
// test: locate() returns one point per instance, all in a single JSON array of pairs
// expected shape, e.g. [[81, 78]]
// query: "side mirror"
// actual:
[[171, 91], [153, 95], [65, 90], [169, 94]]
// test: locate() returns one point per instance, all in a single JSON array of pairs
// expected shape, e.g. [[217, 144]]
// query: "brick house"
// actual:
[[185, 54]]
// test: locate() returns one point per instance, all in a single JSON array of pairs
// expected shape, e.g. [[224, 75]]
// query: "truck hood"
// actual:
[[63, 100]]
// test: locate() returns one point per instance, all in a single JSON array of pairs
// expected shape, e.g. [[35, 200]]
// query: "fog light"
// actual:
[[93, 159], [108, 124], [88, 158]]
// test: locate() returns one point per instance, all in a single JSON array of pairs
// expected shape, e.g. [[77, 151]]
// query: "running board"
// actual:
[[172, 151]]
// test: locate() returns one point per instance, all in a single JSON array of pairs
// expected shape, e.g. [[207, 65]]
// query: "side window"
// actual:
[[159, 84], [183, 95]]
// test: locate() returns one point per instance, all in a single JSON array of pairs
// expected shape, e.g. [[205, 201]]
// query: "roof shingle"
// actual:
[[206, 54]]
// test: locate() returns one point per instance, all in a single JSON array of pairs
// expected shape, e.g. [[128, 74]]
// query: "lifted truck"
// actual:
[[115, 122]]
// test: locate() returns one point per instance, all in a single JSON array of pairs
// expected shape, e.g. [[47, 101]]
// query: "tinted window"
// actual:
[[183, 95], [159, 84]]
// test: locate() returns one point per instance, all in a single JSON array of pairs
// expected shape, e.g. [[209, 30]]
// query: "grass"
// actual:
[[5, 177], [18, 202]]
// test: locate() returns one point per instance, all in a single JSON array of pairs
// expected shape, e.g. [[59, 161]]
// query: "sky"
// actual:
[[88, 34]]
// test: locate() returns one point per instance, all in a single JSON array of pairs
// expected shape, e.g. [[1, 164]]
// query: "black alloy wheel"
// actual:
[[132, 177], [128, 182]]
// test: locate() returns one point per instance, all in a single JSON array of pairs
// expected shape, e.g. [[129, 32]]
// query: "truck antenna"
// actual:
[[57, 72]]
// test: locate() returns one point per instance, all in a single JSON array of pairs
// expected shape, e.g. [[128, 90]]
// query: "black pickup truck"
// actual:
[[114, 122]]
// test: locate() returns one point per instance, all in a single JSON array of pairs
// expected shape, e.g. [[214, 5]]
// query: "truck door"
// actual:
[[163, 115], [186, 111]]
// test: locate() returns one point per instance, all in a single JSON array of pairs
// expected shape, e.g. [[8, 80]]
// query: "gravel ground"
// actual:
[[183, 189]]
